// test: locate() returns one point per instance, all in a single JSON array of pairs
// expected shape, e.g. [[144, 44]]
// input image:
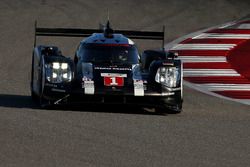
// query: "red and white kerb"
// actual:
[[218, 61]]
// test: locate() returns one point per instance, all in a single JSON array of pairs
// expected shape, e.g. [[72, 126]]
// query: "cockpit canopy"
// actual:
[[108, 53]]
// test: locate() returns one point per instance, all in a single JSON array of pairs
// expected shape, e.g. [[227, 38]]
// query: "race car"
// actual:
[[107, 68]]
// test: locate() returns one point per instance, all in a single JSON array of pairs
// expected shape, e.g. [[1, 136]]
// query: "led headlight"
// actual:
[[54, 75], [56, 65], [64, 66], [58, 72], [168, 76]]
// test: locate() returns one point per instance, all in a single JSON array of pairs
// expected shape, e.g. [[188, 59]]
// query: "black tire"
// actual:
[[33, 95], [36, 98], [43, 103]]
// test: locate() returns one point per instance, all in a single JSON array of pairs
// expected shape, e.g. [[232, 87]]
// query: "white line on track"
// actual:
[[222, 36], [204, 90], [209, 72], [225, 87], [244, 26], [199, 59], [203, 46]]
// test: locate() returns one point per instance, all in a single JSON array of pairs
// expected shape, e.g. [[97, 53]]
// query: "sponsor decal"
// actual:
[[51, 85], [86, 79], [138, 88], [89, 87], [113, 79], [103, 68], [113, 68]]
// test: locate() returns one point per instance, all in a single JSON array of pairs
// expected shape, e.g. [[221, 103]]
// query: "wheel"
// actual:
[[38, 98], [34, 96], [176, 109], [44, 103]]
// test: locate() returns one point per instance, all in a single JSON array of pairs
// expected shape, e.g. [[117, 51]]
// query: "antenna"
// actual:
[[108, 14], [108, 31]]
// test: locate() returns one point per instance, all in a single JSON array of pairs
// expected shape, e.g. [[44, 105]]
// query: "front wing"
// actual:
[[142, 95]]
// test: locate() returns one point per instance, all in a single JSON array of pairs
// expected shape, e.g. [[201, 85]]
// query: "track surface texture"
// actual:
[[210, 131]]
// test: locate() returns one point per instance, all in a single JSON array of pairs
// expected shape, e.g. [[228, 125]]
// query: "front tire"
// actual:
[[38, 98], [44, 103], [34, 96]]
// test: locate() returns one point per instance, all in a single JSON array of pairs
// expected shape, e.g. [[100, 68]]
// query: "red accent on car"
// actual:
[[113, 81]]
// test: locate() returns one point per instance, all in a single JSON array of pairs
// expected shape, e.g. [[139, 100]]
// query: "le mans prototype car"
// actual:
[[107, 68]]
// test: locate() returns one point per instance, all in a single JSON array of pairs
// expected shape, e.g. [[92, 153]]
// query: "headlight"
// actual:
[[58, 72], [168, 76], [56, 65]]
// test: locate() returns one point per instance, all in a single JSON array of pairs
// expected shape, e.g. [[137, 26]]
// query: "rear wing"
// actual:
[[76, 32]]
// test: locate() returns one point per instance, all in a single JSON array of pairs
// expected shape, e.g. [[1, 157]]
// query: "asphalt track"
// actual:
[[209, 132]]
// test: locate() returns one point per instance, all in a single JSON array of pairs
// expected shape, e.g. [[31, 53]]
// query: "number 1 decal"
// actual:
[[113, 81]]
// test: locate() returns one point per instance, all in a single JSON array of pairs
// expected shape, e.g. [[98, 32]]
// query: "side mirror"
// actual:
[[172, 55], [150, 55]]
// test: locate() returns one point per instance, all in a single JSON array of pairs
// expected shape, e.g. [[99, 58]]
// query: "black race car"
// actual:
[[107, 68]]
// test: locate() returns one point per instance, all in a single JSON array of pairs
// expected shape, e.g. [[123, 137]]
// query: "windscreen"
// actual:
[[109, 53]]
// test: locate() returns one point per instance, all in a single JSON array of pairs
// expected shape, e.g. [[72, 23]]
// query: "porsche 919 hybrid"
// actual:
[[107, 68]]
